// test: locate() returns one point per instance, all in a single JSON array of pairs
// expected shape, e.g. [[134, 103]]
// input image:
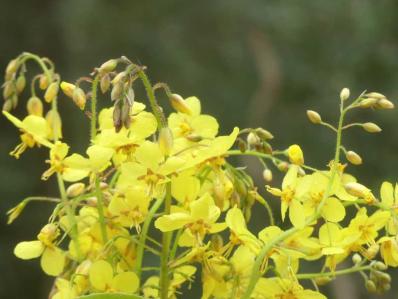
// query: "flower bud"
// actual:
[[7, 106], [314, 117], [385, 287], [380, 266], [54, 121], [194, 137], [344, 94], [217, 242], [165, 141], [20, 84], [83, 268], [356, 258], [371, 127], [34, 106], [117, 118], [16, 211], [75, 190], [252, 139], [267, 175], [118, 78], [79, 98], [283, 166], [14, 100], [323, 280], [68, 88], [11, 68], [264, 134], [368, 103], [353, 158], [51, 92], [241, 145], [8, 89], [108, 66], [126, 119], [370, 286], [375, 95], [179, 104], [43, 82], [117, 91], [356, 189], [385, 104], [48, 234], [295, 154], [105, 83]]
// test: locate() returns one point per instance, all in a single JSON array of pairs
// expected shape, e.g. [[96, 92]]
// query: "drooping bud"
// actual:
[[371, 127], [105, 83], [283, 166], [68, 88], [126, 119], [14, 100], [117, 117], [179, 104], [353, 158], [51, 92], [20, 83], [43, 82], [48, 234], [11, 68], [314, 117], [368, 103], [370, 286], [356, 189], [253, 139], [119, 77], [79, 98], [165, 141], [130, 97], [16, 211], [385, 104], [264, 134], [344, 94], [117, 91], [295, 154], [54, 121], [75, 190], [375, 95], [8, 89], [356, 258], [267, 175], [241, 145], [380, 266], [108, 66], [7, 106], [34, 106]]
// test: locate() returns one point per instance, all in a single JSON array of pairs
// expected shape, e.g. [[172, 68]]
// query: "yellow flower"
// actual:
[[35, 131], [389, 198], [199, 221], [52, 258], [64, 289], [185, 188], [103, 278], [289, 199], [389, 250], [277, 288], [295, 154]]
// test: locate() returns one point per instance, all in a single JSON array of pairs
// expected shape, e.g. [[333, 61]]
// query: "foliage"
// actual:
[[144, 169]]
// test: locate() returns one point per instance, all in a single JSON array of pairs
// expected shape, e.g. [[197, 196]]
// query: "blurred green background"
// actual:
[[252, 63]]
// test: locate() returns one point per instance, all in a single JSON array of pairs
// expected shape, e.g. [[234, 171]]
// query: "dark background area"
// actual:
[[252, 63]]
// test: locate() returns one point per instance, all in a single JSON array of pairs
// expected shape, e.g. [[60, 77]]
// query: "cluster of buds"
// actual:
[[379, 282], [257, 139], [375, 100]]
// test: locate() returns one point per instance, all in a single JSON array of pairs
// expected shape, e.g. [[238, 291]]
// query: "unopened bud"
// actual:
[[217, 242], [356, 258], [241, 145], [108, 66], [75, 190], [16, 211], [368, 103], [252, 139], [385, 277], [166, 141], [20, 84], [68, 88], [264, 134], [283, 166], [51, 92], [344, 94], [126, 119], [54, 121], [11, 68], [117, 91], [267, 175], [385, 287], [43, 82], [370, 286], [105, 83], [14, 100], [314, 117], [7, 106], [79, 98], [353, 158], [117, 118], [380, 266], [371, 127], [118, 78], [295, 154], [322, 280], [356, 189], [375, 95], [48, 234], [34, 106], [385, 104], [8, 89], [179, 104], [194, 137], [83, 268]]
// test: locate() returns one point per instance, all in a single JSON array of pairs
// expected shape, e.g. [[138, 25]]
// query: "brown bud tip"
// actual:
[[314, 117]]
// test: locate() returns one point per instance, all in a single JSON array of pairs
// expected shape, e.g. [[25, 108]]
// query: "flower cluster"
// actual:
[[144, 175]]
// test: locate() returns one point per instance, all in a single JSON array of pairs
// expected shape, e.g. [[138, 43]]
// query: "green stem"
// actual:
[[166, 238], [100, 208], [334, 273], [143, 235], [93, 123], [174, 248]]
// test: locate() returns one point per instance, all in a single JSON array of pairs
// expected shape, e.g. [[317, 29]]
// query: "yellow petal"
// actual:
[[290, 179], [149, 155], [99, 156], [296, 214], [185, 188], [29, 249], [53, 261], [125, 282], [387, 194], [172, 222], [100, 275], [333, 210]]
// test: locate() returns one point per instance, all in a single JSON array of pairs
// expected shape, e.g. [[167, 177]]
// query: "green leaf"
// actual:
[[110, 296]]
